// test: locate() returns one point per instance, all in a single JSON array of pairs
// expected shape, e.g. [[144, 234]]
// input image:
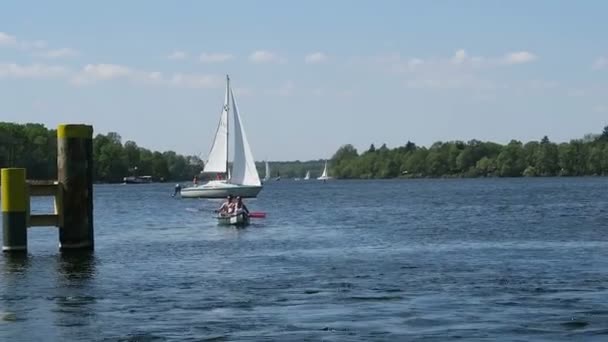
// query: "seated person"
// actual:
[[226, 207], [240, 206]]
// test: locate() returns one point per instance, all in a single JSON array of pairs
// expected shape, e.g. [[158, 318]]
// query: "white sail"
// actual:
[[307, 175], [267, 174], [243, 166], [218, 157], [324, 175]]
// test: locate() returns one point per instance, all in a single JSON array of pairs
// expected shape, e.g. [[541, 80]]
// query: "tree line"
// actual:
[[579, 157], [34, 147]]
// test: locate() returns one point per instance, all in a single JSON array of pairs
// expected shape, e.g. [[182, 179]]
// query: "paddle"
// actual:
[[257, 214], [252, 214]]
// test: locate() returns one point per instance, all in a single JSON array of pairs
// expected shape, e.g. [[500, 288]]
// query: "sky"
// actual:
[[308, 76]]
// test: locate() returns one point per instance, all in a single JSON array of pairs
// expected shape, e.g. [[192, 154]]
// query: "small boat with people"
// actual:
[[234, 212], [240, 219]]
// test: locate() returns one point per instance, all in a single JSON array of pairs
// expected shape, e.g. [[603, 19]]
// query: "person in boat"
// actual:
[[195, 180], [226, 207], [178, 190], [240, 207]]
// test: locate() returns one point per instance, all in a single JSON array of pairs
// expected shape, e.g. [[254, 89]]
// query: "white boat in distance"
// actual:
[[307, 177], [244, 180], [324, 175], [267, 174]]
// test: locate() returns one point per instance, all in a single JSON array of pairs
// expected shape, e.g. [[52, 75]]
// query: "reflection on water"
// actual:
[[76, 266], [14, 263], [75, 296], [30, 283]]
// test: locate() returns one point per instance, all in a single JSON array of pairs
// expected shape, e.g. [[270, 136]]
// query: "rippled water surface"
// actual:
[[486, 259]]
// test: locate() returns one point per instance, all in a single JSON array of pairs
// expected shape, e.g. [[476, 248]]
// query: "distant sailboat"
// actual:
[[324, 175], [307, 177], [267, 174], [244, 180]]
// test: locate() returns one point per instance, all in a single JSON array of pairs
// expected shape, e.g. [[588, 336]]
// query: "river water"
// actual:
[[429, 260]]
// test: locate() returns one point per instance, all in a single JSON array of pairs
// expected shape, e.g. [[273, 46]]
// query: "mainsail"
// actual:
[[217, 161], [324, 175]]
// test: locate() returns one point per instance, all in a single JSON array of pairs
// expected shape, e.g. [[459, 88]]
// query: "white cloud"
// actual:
[[149, 77], [600, 63], [12, 41], [459, 57], [60, 53], [315, 57], [215, 57], [177, 55], [454, 81], [106, 71], [519, 57], [13, 70], [194, 81], [264, 56], [33, 45], [7, 39], [460, 60], [460, 70], [541, 84], [92, 73]]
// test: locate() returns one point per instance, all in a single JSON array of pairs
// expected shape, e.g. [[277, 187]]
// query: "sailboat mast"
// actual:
[[227, 104]]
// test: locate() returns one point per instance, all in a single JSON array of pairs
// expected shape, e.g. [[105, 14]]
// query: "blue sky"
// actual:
[[309, 76]]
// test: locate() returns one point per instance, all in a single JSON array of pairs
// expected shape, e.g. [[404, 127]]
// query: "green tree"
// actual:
[[604, 135], [547, 158], [510, 161]]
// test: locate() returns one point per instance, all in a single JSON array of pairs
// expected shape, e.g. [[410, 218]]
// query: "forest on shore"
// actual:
[[579, 157], [34, 147]]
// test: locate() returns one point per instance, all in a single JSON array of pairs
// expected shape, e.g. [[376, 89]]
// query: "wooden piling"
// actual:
[[14, 210], [75, 174]]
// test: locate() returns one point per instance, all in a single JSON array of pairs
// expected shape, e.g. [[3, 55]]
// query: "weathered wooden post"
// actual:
[[14, 210], [75, 174]]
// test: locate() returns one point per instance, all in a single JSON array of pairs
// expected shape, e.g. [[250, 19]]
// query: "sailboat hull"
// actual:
[[219, 189]]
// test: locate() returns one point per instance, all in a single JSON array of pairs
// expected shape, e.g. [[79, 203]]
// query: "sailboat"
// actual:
[[244, 180], [267, 174], [307, 177], [324, 175]]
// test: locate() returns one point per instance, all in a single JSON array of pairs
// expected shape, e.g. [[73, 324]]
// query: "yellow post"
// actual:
[[15, 204], [75, 174]]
